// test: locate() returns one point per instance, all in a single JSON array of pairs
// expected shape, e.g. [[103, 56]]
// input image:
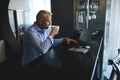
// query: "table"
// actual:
[[59, 63]]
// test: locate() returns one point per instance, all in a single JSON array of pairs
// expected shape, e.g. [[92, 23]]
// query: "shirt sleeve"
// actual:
[[57, 41], [38, 44], [51, 39]]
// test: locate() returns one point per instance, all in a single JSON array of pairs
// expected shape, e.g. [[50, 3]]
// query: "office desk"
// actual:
[[59, 64]]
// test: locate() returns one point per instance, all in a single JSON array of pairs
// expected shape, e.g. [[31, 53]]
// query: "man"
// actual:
[[40, 37]]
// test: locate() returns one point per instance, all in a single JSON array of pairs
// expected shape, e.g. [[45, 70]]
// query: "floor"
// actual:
[[6, 74]]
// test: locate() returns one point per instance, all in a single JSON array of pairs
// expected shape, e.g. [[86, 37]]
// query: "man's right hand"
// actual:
[[69, 40]]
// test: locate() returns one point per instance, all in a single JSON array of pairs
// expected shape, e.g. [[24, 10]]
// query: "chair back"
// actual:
[[116, 66]]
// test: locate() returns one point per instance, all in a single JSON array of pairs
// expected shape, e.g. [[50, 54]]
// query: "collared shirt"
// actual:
[[37, 42]]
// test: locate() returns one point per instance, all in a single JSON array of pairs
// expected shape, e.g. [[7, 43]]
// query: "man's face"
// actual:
[[46, 21]]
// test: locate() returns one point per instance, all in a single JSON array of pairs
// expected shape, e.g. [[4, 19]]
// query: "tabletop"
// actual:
[[60, 63]]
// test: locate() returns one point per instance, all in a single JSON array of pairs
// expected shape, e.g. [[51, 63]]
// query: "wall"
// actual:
[[63, 15]]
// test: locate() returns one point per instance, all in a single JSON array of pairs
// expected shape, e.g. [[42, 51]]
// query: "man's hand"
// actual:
[[53, 32], [69, 40]]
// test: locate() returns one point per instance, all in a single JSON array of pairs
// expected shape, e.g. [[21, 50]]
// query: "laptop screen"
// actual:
[[86, 35]]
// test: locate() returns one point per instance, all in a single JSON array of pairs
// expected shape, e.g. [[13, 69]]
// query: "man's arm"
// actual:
[[38, 44]]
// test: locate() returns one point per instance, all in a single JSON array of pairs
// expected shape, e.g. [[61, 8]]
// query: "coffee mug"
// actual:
[[56, 26]]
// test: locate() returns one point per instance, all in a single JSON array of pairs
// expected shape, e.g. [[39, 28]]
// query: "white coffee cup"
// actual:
[[56, 26]]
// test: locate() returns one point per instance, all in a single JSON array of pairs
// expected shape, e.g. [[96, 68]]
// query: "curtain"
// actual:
[[112, 31]]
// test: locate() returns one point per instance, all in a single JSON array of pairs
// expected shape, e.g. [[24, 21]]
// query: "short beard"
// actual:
[[45, 27]]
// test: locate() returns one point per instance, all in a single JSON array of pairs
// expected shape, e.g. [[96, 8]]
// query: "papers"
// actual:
[[80, 50]]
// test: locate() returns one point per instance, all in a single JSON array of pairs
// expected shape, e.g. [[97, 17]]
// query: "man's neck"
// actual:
[[39, 25]]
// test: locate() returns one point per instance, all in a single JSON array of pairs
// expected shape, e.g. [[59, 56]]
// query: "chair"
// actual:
[[116, 67]]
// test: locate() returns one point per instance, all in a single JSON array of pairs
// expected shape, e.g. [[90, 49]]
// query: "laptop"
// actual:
[[85, 37]]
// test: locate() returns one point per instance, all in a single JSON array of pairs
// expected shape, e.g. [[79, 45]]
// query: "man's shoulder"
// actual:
[[32, 28], [30, 31]]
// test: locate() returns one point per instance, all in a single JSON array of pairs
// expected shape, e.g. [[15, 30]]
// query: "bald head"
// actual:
[[43, 14], [43, 19]]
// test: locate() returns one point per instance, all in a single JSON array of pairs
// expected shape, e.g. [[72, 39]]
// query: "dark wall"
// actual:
[[63, 15]]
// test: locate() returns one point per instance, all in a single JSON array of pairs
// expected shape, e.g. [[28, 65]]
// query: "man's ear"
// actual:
[[40, 21]]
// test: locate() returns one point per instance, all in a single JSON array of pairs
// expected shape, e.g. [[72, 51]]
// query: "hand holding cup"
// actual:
[[54, 30], [56, 27]]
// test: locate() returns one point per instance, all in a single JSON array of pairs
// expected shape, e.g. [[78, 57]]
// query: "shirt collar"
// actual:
[[38, 28]]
